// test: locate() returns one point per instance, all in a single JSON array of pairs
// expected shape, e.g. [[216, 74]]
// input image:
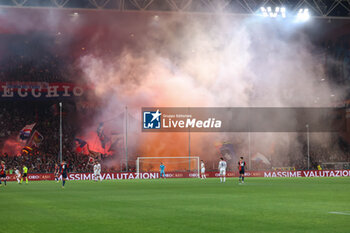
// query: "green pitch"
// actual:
[[178, 205]]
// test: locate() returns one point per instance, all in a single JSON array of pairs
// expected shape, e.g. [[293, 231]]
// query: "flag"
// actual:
[[27, 150], [101, 135], [24, 134], [36, 139], [81, 146], [260, 157]]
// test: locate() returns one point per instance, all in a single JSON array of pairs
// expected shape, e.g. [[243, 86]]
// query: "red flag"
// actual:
[[36, 139]]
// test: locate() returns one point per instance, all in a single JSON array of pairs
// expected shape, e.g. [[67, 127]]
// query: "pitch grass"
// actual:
[[178, 205]]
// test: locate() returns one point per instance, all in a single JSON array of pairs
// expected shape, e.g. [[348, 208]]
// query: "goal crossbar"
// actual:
[[188, 157]]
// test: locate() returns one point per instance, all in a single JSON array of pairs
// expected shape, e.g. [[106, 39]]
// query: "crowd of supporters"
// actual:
[[39, 162], [15, 116], [34, 58], [23, 68], [337, 63]]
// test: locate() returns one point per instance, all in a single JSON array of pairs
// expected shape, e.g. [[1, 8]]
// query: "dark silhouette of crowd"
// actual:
[[15, 115], [34, 58]]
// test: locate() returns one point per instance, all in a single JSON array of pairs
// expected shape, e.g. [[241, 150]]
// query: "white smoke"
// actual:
[[211, 61]]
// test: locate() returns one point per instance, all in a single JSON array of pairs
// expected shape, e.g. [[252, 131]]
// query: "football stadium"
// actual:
[[148, 116]]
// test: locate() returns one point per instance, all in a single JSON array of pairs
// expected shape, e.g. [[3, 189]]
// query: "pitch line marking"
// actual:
[[342, 213]]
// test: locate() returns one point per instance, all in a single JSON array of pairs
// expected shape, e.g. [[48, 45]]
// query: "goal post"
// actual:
[[172, 164]]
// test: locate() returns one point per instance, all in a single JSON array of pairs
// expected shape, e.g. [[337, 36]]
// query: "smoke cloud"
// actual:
[[190, 60], [211, 61]]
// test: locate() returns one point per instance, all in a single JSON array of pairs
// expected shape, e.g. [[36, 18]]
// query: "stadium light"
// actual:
[[273, 13], [303, 15], [264, 13], [283, 12]]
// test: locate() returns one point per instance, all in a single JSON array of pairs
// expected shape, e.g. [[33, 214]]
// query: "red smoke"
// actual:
[[12, 147]]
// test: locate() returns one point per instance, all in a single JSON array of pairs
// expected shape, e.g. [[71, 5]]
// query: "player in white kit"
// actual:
[[203, 176], [222, 169], [97, 171], [18, 175]]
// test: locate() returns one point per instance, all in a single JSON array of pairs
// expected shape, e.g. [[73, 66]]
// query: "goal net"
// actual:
[[172, 164]]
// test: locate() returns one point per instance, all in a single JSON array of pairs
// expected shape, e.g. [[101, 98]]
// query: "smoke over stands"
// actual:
[[183, 60]]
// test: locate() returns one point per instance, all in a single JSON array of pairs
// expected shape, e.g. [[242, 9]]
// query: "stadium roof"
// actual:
[[318, 8]]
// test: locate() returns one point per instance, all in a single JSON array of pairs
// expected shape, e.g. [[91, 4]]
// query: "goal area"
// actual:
[[172, 164]]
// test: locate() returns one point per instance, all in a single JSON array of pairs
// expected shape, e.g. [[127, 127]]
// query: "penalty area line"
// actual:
[[341, 213]]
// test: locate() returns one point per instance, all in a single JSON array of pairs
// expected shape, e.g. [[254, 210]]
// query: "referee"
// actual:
[[25, 172]]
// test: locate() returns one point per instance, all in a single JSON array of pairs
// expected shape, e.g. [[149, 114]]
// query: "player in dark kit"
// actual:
[[57, 172], [64, 172], [241, 167], [2, 172]]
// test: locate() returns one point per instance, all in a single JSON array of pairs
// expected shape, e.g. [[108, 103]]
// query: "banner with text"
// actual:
[[155, 175], [40, 90]]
